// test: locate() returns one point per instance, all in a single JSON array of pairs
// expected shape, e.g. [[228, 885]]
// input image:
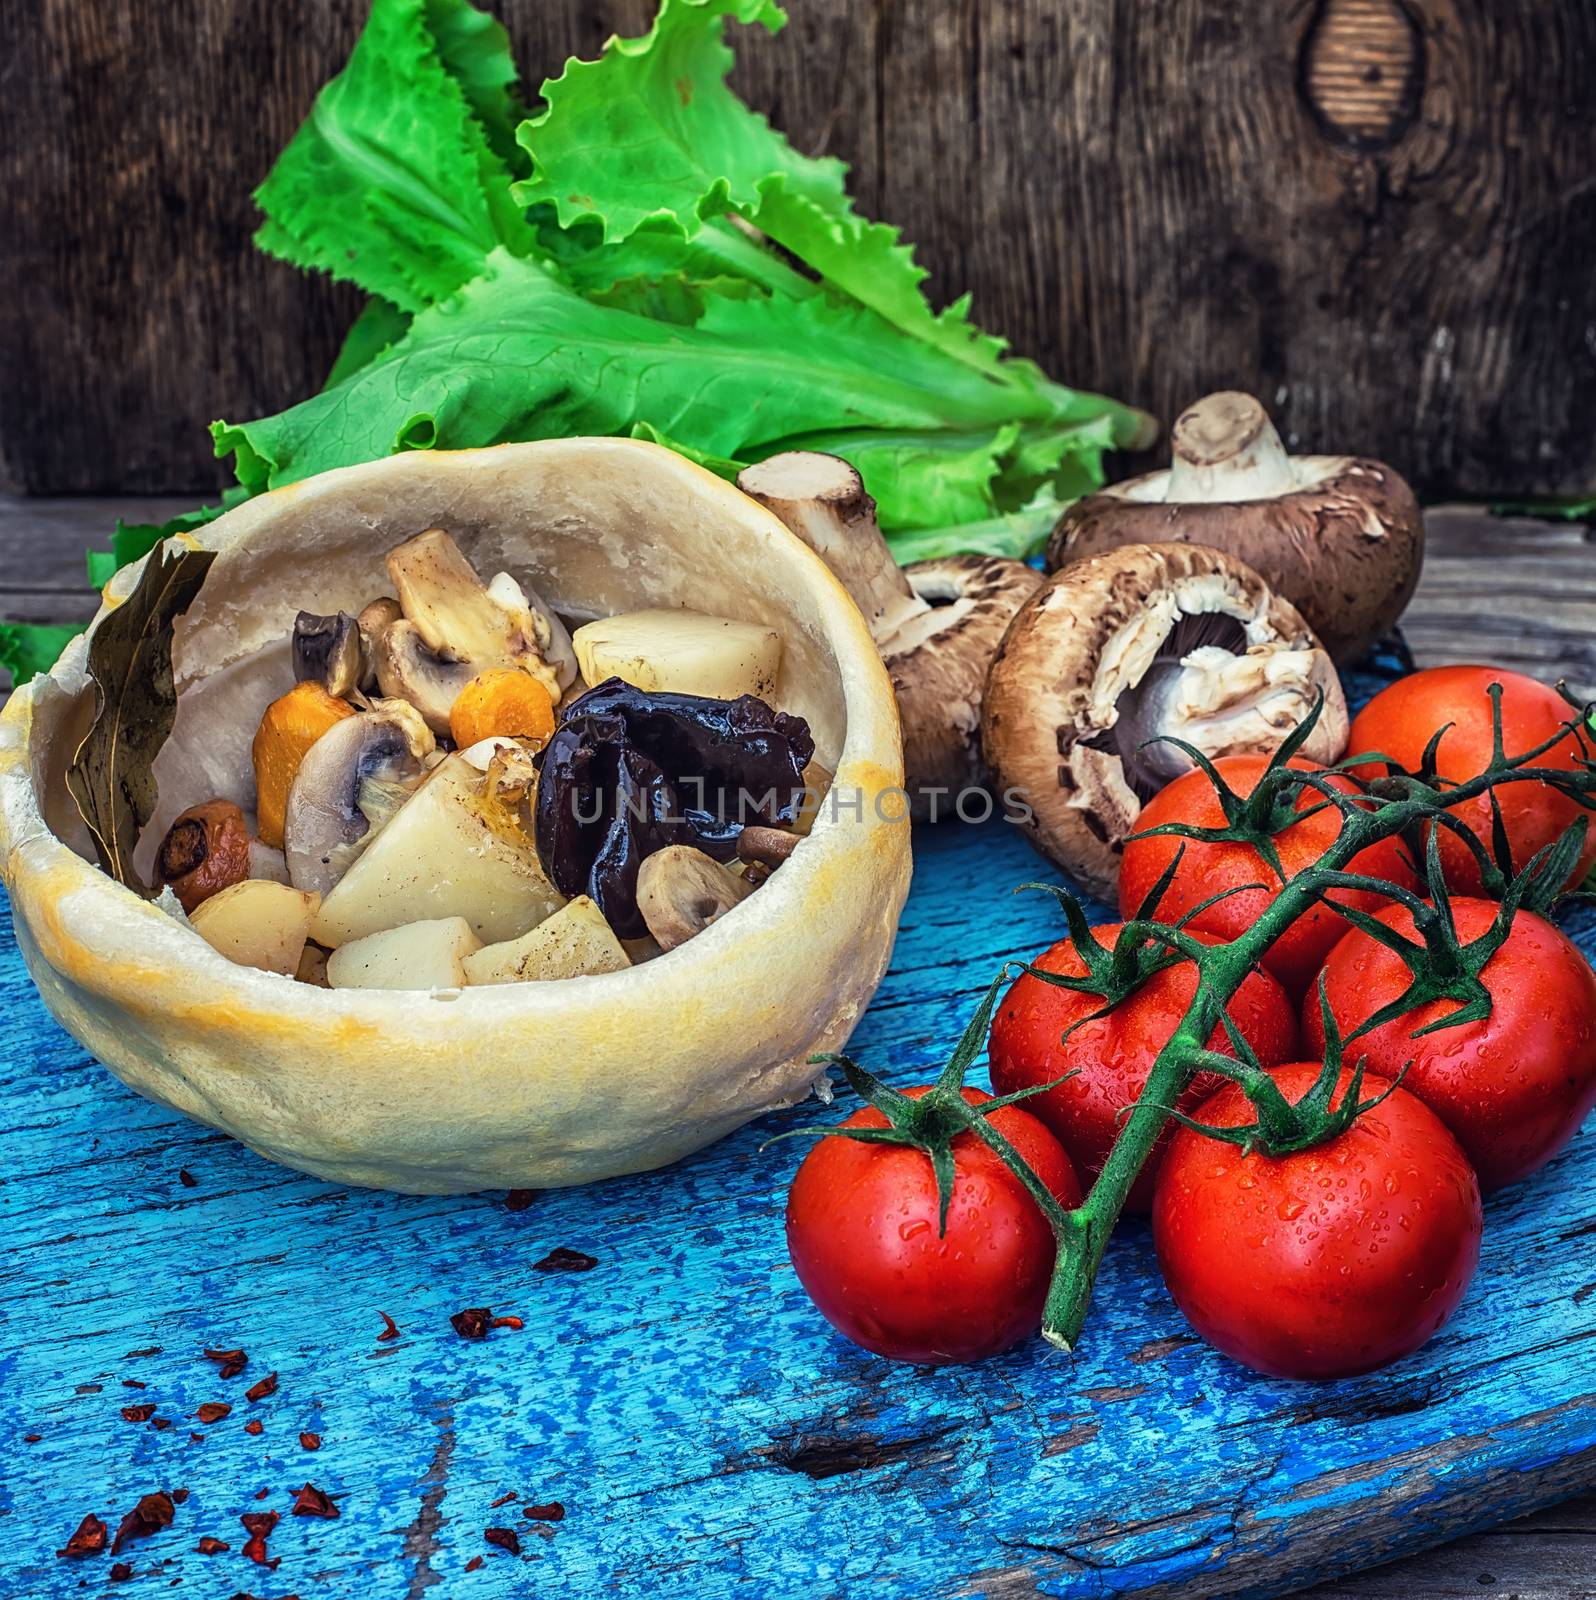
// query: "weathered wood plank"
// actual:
[[1377, 215], [1548, 1556]]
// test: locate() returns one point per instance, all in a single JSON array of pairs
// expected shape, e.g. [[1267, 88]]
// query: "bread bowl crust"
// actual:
[[537, 1085]]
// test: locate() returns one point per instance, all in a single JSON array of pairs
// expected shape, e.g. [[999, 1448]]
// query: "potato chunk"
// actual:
[[258, 923], [575, 942], [448, 851], [419, 955], [681, 652]]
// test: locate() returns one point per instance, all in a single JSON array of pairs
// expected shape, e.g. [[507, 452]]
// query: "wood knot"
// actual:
[[1362, 71]]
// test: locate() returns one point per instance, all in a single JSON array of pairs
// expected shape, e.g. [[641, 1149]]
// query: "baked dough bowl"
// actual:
[[523, 1085]]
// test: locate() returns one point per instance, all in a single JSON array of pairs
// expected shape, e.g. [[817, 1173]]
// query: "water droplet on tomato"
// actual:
[[913, 1230]]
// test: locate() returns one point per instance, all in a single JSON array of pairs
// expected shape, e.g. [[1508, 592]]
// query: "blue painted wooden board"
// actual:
[[705, 1431]]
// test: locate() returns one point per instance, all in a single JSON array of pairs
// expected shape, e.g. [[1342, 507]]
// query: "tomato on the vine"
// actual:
[[1513, 1088], [862, 1232], [1402, 719], [1110, 1056], [1209, 867], [1325, 1262]]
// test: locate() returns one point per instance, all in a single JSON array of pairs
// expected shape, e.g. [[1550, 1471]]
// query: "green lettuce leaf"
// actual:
[[379, 327], [392, 183], [131, 541], [28, 649], [651, 137], [475, 51], [543, 362]]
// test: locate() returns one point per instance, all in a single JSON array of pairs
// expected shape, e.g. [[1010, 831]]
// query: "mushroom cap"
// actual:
[[1344, 544], [938, 662], [527, 1085], [324, 826], [1094, 631]]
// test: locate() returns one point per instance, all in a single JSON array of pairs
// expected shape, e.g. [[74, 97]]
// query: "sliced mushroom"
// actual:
[[1118, 650], [937, 623], [408, 670], [328, 649], [680, 891], [537, 619], [1341, 537], [373, 619], [352, 780], [457, 617]]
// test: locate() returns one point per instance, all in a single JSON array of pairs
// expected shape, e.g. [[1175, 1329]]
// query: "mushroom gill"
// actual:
[[1117, 655]]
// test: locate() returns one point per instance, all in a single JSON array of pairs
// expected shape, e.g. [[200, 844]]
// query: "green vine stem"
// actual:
[[1396, 804], [1385, 808]]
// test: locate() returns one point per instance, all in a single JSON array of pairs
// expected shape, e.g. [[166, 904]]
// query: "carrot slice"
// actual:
[[289, 728], [502, 700]]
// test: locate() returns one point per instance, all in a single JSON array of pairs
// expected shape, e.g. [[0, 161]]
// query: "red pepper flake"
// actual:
[[552, 1512], [504, 1500], [266, 1386], [89, 1540], [141, 1413], [254, 1426], [162, 1423], [260, 1494], [133, 1383], [231, 1362], [212, 1547], [197, 1438], [152, 1513], [314, 1502], [180, 1495], [260, 1524], [504, 1538], [32, 1438], [213, 1411], [475, 1321], [310, 1441], [390, 1328], [187, 1178], [519, 1199], [474, 1564], [121, 1571], [560, 1259]]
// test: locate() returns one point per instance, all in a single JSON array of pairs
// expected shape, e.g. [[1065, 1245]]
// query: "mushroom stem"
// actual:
[[1225, 449], [823, 500]]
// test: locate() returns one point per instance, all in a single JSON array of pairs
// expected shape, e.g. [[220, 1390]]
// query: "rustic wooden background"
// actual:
[[1380, 215]]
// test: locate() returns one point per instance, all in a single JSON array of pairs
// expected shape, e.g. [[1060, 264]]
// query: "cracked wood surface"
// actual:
[[706, 1434], [1378, 215]]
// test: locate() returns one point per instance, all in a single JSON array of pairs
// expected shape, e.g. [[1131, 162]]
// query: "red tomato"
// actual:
[[1111, 1056], [1208, 868], [1328, 1262], [1401, 721], [1513, 1088], [862, 1231]]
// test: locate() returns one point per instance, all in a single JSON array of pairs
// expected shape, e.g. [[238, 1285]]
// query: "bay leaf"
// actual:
[[130, 663]]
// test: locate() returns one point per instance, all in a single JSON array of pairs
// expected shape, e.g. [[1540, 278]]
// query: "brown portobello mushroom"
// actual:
[[1138, 642], [936, 623], [1341, 537]]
